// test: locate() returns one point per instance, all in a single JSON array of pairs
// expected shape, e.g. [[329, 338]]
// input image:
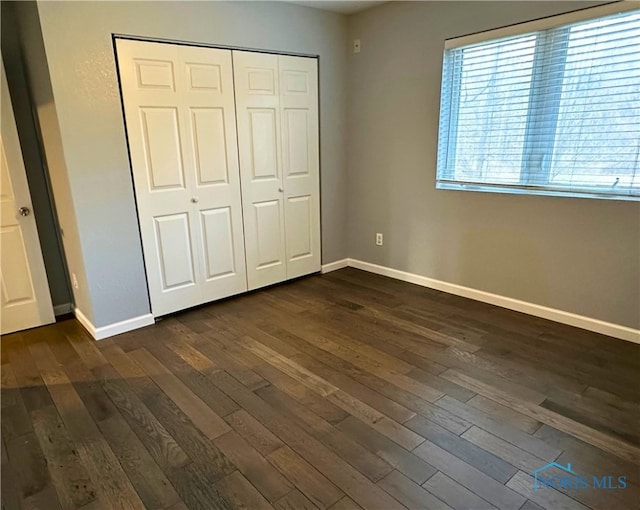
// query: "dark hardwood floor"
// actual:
[[342, 391]]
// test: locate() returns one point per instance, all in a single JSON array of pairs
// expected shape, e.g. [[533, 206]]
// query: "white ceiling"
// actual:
[[341, 6]]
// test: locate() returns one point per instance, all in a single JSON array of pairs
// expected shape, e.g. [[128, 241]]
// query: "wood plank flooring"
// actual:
[[342, 391]]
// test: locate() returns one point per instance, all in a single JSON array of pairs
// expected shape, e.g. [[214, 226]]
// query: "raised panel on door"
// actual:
[[154, 73], [210, 151], [203, 76], [268, 234], [163, 156], [263, 144], [25, 301], [296, 142], [261, 75], [301, 165], [259, 142], [218, 235], [173, 245], [299, 228], [178, 103], [223, 263], [17, 286]]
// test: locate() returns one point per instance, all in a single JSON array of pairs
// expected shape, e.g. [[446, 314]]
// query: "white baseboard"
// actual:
[[113, 329], [62, 309], [572, 319], [334, 266]]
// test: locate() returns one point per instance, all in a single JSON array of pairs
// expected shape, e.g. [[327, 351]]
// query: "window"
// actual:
[[544, 111]]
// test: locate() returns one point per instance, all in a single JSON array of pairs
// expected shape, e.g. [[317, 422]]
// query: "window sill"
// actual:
[[532, 190]]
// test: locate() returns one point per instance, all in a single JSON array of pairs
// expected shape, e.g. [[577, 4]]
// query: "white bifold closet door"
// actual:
[[180, 117], [277, 116]]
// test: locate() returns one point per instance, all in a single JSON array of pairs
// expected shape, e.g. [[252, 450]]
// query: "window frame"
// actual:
[[540, 83]]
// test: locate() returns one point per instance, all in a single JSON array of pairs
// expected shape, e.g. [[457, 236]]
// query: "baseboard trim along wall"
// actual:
[[334, 266], [113, 329], [571, 319]]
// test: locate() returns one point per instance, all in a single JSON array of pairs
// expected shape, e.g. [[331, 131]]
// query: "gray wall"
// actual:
[[577, 255], [31, 153], [78, 45]]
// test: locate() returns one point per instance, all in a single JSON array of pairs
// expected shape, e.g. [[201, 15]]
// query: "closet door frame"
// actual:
[[129, 37]]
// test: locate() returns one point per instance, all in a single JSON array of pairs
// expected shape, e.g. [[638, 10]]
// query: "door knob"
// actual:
[[24, 211], [194, 200], [280, 190]]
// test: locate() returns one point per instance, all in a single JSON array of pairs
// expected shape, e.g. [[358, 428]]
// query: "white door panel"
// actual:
[[296, 142], [173, 245], [17, 285], [301, 163], [25, 299], [208, 128], [277, 110], [261, 79], [179, 110], [299, 228], [263, 144], [269, 240], [258, 116], [154, 73], [217, 229], [214, 155], [163, 155], [205, 77]]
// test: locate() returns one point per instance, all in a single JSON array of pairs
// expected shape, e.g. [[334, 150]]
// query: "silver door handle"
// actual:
[[24, 211], [194, 200], [280, 190]]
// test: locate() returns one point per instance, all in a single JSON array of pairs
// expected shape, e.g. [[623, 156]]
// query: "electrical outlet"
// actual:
[[379, 239], [356, 45], [74, 281]]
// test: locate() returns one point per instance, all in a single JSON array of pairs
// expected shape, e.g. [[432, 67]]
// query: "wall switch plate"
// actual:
[[379, 239], [356, 45]]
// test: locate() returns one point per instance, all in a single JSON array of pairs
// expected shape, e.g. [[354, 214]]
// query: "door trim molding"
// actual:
[[179, 42], [113, 329]]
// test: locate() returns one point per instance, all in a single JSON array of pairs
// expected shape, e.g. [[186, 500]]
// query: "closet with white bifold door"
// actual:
[[225, 160]]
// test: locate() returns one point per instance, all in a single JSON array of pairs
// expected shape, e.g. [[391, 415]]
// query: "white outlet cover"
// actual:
[[356, 45]]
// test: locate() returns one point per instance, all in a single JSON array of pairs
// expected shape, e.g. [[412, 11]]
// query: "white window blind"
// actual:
[[553, 111]]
